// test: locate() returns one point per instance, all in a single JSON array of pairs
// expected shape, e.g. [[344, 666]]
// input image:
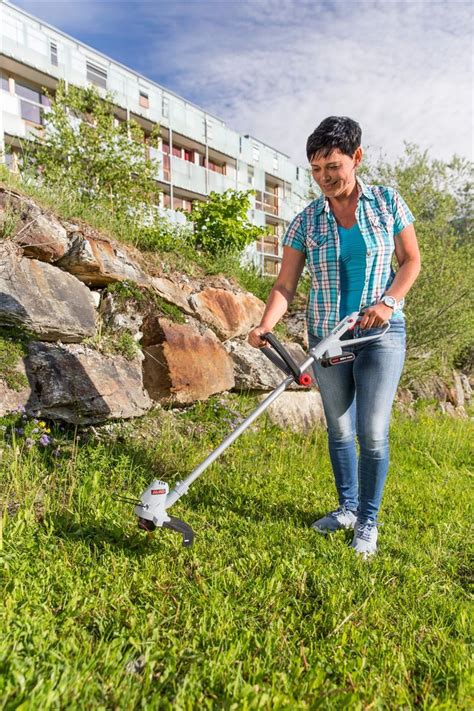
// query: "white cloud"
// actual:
[[275, 69]]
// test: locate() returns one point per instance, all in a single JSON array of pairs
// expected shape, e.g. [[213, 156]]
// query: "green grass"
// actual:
[[262, 613]]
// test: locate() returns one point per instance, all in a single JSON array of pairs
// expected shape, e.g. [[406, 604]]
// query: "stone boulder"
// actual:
[[175, 294], [42, 299], [38, 233], [97, 261], [120, 315], [185, 366], [79, 385], [228, 314], [297, 411], [12, 399], [295, 324], [254, 371]]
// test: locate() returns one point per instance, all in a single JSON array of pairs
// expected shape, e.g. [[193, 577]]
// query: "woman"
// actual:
[[347, 238]]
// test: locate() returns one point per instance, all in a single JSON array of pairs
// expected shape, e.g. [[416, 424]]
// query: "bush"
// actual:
[[440, 326], [221, 224]]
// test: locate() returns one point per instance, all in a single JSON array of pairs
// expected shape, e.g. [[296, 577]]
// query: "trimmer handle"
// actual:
[[283, 360]]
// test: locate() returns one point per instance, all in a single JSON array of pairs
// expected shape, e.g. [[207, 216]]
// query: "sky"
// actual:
[[275, 68]]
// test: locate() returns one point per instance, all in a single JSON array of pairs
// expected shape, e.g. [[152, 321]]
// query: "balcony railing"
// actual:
[[267, 202]]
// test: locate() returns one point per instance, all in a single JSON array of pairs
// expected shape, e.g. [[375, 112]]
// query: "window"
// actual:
[[297, 173], [165, 107], [240, 144], [182, 204], [275, 162], [96, 75], [53, 53], [144, 100], [251, 174], [255, 152], [189, 155], [32, 102], [177, 151], [5, 83]]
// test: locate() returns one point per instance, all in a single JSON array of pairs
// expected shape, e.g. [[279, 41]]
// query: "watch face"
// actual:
[[390, 301]]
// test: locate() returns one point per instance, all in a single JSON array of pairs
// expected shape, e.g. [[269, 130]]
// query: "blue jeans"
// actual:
[[357, 399]]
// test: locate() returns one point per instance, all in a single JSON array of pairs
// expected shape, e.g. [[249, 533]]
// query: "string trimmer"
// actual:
[[152, 510]]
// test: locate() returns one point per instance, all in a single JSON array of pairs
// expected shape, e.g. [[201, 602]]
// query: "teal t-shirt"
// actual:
[[352, 262]]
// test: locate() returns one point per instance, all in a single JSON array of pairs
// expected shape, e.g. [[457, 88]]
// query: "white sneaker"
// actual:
[[337, 520], [365, 538]]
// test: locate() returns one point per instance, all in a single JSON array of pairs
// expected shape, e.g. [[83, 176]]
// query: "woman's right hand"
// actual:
[[254, 337]]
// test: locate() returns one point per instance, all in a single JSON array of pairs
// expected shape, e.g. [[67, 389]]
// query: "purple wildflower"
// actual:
[[44, 440]]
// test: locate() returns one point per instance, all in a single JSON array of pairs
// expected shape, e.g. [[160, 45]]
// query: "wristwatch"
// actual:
[[392, 302]]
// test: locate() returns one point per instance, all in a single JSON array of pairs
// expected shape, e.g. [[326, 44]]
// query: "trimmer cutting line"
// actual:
[[152, 510]]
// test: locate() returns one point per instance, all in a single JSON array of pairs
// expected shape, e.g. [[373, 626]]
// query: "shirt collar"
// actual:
[[322, 203]]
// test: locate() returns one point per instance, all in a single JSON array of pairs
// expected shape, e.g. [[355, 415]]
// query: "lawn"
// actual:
[[262, 613]]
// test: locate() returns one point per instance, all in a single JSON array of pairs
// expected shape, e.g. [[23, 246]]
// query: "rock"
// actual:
[[297, 411], [76, 384], [466, 385], [120, 315], [228, 314], [254, 371], [39, 234], [42, 299], [172, 293], [449, 409], [296, 328], [98, 261], [185, 366], [12, 400], [457, 391]]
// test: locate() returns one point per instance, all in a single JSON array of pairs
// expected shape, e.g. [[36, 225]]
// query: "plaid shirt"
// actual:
[[381, 214]]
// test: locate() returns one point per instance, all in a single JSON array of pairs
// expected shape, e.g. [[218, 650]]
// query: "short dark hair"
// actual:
[[334, 132]]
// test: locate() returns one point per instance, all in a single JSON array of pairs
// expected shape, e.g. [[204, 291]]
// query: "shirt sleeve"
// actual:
[[294, 236], [401, 213]]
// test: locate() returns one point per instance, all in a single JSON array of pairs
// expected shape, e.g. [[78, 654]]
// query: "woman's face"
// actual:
[[335, 174]]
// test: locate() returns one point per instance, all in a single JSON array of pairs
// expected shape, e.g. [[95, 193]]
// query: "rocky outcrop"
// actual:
[[38, 233], [253, 370], [173, 294], [98, 261], [53, 276], [37, 297], [80, 385], [297, 411], [185, 366], [228, 314]]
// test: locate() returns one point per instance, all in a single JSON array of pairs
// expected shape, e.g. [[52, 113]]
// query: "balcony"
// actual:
[[269, 203]]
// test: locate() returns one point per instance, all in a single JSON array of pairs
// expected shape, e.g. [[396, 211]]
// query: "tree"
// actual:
[[439, 306], [85, 148], [221, 224]]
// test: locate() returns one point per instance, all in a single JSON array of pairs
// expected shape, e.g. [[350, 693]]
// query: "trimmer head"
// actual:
[[152, 514]]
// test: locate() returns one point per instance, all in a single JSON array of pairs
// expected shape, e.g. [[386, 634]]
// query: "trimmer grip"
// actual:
[[283, 353]]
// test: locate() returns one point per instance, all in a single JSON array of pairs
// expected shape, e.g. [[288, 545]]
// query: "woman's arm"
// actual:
[[281, 295], [408, 258]]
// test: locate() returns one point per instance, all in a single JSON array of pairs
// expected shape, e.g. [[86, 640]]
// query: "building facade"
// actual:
[[197, 153]]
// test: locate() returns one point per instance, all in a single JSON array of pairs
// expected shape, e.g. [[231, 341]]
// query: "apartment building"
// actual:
[[197, 153]]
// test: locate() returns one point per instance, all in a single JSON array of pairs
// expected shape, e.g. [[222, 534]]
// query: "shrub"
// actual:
[[221, 224]]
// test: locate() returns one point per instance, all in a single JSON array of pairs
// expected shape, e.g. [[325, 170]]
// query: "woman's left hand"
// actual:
[[375, 316]]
